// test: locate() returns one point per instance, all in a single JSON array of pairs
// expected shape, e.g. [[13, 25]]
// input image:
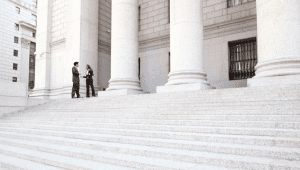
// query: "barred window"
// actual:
[[140, 18], [16, 53], [15, 66], [243, 58], [232, 3], [16, 40], [14, 79]]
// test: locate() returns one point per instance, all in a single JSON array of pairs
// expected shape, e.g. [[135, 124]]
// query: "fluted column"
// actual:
[[278, 39], [124, 53], [186, 43]]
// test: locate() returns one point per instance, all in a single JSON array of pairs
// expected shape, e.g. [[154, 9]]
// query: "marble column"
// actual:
[[43, 51], [124, 58], [186, 43], [278, 39]]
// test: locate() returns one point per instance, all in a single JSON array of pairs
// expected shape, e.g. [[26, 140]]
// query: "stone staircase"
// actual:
[[245, 128]]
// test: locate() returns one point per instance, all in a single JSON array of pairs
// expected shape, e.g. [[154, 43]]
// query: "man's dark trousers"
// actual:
[[89, 82], [75, 89], [76, 82]]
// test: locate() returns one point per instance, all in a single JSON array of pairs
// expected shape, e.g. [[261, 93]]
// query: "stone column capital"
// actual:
[[25, 43]]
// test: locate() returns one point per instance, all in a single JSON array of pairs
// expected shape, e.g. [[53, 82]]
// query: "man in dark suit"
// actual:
[[76, 80]]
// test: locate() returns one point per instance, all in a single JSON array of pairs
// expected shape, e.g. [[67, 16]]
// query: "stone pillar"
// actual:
[[81, 41], [186, 43], [124, 59], [278, 39], [25, 52], [43, 53]]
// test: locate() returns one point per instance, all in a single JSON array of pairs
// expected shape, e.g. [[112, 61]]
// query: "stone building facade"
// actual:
[[17, 40], [150, 46]]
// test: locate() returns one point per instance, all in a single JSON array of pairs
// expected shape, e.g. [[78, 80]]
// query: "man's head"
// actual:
[[76, 64]]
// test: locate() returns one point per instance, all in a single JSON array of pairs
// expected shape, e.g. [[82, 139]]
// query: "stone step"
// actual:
[[290, 154], [14, 163], [170, 158], [96, 117], [105, 158], [59, 161], [216, 138], [179, 108], [163, 124], [176, 104], [165, 132], [168, 114]]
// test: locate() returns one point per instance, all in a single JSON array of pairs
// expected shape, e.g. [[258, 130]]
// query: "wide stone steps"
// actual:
[[15, 163], [96, 117], [271, 157], [163, 124], [246, 128], [143, 158]]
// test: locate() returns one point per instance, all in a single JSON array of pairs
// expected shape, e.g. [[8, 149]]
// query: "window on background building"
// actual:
[[34, 19], [16, 40], [232, 3], [18, 10], [15, 66], [33, 34], [242, 59], [14, 79], [16, 53], [17, 27], [34, 3]]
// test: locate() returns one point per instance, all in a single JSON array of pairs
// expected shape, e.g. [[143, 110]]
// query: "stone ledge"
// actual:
[[274, 81], [183, 87]]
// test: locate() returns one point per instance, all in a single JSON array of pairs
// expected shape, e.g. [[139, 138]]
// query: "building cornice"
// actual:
[[27, 25], [24, 5], [229, 23]]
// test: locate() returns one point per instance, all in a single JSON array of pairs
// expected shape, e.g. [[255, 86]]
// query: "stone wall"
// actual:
[[221, 25], [59, 25]]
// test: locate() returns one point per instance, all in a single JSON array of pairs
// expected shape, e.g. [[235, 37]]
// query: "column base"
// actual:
[[120, 92], [274, 81], [183, 87]]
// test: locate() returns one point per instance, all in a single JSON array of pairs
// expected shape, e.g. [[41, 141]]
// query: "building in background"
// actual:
[[132, 46], [18, 20]]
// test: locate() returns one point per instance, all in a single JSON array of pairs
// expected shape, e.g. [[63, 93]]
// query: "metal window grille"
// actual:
[[17, 27], [16, 40], [140, 27], [16, 53], [242, 59], [15, 66], [17, 10], [169, 11], [14, 79], [232, 3], [169, 62], [139, 68]]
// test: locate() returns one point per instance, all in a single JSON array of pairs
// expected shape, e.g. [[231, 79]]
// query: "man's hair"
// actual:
[[75, 63]]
